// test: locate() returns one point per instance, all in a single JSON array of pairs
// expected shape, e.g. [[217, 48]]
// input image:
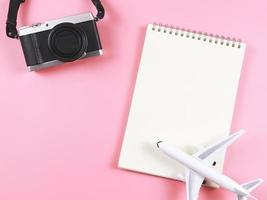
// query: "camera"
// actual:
[[61, 40], [58, 41]]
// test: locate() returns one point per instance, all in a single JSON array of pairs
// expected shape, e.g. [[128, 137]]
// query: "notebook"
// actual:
[[185, 95]]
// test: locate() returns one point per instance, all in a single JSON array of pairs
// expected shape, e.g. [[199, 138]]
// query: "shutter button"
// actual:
[[36, 25]]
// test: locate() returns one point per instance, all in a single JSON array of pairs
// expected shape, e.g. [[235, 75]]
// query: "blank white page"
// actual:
[[185, 94]]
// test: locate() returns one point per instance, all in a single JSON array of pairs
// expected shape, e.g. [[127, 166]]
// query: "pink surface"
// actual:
[[61, 129]]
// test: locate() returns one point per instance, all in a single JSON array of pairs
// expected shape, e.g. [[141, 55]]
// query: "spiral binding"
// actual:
[[216, 39]]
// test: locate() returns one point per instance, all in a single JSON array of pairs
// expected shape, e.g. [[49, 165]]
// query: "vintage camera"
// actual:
[[61, 40], [58, 41]]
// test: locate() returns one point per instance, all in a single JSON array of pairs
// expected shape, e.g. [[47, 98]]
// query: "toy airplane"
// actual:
[[199, 167]]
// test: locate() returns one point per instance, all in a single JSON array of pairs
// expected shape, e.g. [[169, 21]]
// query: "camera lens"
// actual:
[[67, 42]]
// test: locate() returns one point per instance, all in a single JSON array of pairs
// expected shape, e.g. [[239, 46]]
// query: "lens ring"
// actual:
[[67, 42]]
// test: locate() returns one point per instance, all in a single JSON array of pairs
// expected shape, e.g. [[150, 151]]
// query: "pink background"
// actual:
[[61, 129]]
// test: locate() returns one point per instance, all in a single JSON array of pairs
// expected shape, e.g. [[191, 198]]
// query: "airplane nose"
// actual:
[[158, 143]]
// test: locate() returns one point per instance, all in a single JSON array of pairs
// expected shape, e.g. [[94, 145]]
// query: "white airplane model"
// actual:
[[198, 167]]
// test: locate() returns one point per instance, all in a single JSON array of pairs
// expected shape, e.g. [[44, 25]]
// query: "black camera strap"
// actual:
[[100, 9], [11, 23]]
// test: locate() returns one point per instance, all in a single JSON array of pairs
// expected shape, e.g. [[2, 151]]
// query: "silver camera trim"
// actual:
[[39, 27]]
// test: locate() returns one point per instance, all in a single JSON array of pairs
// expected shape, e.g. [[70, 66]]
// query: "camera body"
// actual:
[[58, 41]]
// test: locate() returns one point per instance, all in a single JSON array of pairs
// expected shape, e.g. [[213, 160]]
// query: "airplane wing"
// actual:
[[193, 184], [208, 155]]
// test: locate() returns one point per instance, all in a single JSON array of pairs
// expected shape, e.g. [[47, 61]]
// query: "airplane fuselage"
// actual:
[[203, 170]]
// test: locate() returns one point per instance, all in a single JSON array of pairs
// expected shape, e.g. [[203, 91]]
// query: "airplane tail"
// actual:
[[249, 187]]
